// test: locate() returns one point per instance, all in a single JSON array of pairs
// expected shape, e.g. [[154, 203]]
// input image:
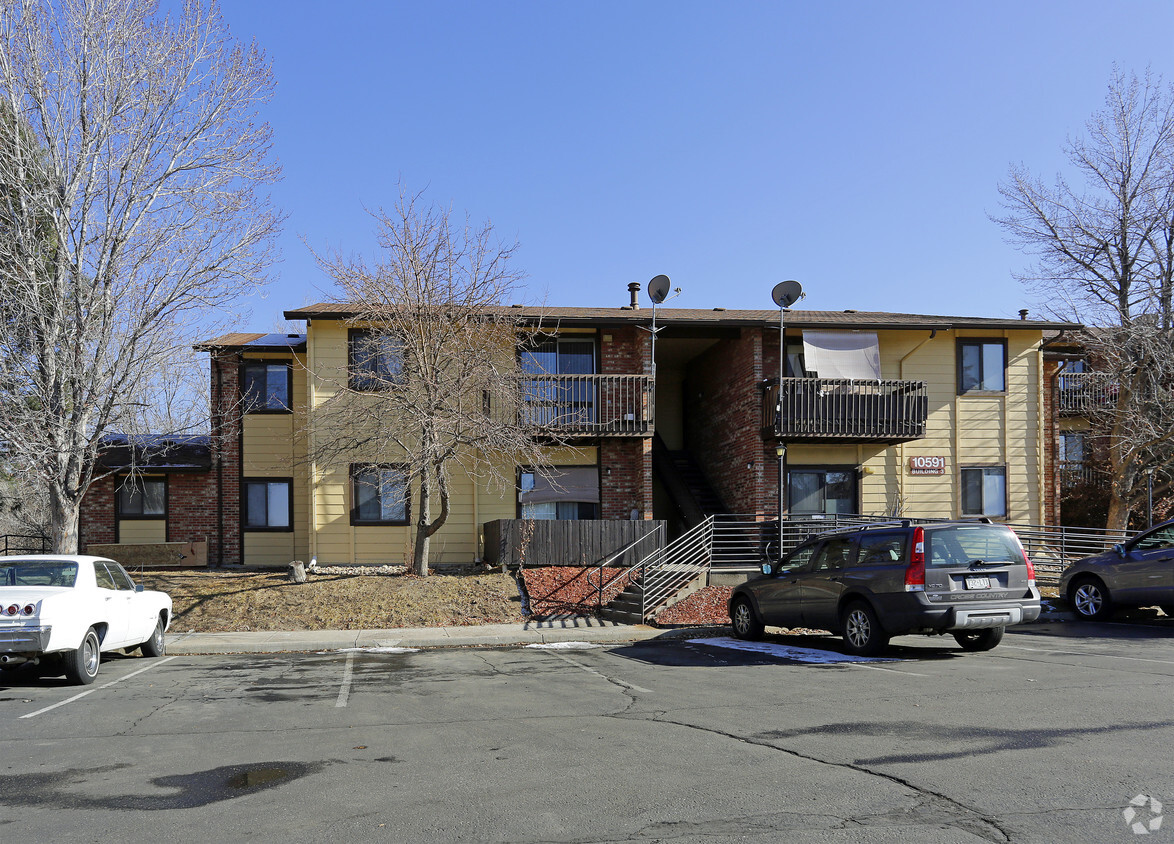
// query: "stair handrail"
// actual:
[[666, 571], [618, 555]]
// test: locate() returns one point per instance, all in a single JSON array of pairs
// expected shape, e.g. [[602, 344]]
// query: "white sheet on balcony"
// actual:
[[570, 483], [842, 354]]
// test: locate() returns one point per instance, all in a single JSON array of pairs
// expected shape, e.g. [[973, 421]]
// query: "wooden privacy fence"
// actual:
[[582, 542]]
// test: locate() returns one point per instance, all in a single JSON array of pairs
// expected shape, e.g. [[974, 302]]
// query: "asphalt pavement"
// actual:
[[580, 629]]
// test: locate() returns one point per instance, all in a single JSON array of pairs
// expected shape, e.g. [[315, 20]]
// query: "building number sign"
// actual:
[[927, 465]]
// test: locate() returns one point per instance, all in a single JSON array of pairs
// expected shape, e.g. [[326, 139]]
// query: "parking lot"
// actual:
[[1047, 738]]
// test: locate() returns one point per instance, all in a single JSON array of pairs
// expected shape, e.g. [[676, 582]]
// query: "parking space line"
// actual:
[[1088, 653], [614, 680], [882, 668], [155, 664], [345, 692]]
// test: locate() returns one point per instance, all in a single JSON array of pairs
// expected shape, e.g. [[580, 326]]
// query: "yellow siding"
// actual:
[[141, 531], [273, 446], [269, 549]]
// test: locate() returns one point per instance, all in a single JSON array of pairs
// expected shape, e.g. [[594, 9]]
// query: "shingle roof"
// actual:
[[720, 316], [285, 342], [157, 452]]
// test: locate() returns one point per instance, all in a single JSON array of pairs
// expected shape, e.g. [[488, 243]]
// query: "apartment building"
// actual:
[[875, 413]]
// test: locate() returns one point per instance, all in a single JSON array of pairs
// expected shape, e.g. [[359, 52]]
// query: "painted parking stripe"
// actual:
[[808, 655], [155, 664]]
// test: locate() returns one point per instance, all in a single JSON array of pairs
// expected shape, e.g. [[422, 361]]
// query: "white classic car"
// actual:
[[70, 609]]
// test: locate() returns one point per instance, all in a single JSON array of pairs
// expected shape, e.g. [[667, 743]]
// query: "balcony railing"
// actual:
[[842, 410], [1084, 392], [601, 405]]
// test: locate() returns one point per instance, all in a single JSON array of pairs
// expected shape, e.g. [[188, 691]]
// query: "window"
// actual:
[[570, 492], [266, 387], [376, 360], [103, 578], [118, 575], [982, 365], [1072, 447], [559, 401], [267, 504], [821, 491], [984, 491], [379, 494], [143, 498], [880, 549], [835, 554]]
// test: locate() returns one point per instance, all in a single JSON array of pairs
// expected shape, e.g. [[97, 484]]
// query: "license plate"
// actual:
[[978, 582]]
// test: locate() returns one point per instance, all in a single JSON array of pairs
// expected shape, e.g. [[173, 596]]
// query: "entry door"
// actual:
[[824, 583]]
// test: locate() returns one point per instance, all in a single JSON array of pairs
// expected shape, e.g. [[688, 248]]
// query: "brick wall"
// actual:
[[628, 487], [226, 454], [723, 421], [193, 499], [1051, 436], [97, 515]]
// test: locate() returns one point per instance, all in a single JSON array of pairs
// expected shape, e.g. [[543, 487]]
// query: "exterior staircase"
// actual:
[[665, 577], [685, 483]]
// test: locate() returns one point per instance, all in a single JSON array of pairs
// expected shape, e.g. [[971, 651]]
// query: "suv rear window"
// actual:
[[961, 545]]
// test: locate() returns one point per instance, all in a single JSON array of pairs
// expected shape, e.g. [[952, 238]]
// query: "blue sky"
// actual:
[[855, 147]]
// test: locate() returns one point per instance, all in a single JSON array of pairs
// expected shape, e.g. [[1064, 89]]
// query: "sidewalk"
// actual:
[[526, 633]]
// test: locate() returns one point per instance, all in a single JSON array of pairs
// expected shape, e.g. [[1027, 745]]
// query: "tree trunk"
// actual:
[[420, 552], [64, 515]]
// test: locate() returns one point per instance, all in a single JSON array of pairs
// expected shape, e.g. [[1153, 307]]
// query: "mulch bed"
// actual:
[[574, 590]]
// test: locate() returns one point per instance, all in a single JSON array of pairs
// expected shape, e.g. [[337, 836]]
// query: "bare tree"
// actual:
[[432, 384], [1105, 250], [133, 205]]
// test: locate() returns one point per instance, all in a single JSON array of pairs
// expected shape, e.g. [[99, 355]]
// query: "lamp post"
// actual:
[[784, 294]]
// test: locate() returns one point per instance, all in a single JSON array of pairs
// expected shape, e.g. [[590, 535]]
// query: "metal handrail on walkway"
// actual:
[[666, 571], [619, 555]]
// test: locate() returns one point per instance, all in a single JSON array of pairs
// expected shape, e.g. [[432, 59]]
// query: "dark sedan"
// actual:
[[1137, 573]]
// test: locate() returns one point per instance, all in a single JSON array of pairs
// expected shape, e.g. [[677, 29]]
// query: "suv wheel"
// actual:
[[1090, 599], [980, 640], [862, 631], [745, 623]]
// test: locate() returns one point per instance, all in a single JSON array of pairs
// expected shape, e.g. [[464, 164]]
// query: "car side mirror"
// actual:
[[1120, 549], [767, 568]]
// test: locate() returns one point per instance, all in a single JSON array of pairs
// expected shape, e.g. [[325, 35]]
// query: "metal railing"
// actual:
[[842, 409], [1050, 547], [588, 404], [15, 543], [667, 571], [598, 572], [1079, 393]]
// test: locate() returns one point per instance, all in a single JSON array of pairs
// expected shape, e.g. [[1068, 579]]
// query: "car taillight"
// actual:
[[13, 609], [915, 571], [29, 609], [1030, 567]]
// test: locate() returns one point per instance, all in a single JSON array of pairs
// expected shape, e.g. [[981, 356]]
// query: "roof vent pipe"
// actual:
[[634, 289], [1023, 313]]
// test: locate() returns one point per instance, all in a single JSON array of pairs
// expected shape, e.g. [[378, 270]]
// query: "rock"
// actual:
[[297, 572]]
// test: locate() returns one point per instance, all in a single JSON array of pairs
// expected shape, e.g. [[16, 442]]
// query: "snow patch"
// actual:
[[785, 651], [385, 650], [563, 646]]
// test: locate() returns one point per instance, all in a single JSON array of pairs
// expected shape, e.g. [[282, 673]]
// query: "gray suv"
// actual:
[[969, 579]]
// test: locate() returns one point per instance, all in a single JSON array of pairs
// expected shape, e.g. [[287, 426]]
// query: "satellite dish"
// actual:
[[658, 289], [787, 293]]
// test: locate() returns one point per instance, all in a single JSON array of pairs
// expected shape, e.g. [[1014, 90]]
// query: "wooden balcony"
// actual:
[[589, 405], [833, 410], [1082, 393]]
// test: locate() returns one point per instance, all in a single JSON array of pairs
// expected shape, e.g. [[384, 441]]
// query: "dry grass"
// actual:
[[212, 601]]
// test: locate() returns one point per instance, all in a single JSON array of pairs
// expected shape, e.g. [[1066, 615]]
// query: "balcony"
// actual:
[[589, 405], [834, 410], [1082, 393]]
